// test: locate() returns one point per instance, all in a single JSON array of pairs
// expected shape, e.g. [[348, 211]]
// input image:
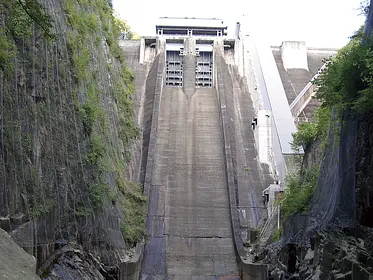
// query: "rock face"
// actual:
[[313, 154], [338, 254], [76, 264], [67, 130], [343, 248], [15, 263], [364, 171]]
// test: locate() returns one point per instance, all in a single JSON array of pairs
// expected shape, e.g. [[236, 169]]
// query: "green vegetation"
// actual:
[[127, 129], [133, 203], [42, 208], [82, 211], [7, 53], [75, 133], [121, 26], [299, 189], [27, 144], [308, 132], [84, 26], [20, 17], [97, 149], [346, 85], [276, 235], [32, 12], [92, 23], [348, 79], [97, 194]]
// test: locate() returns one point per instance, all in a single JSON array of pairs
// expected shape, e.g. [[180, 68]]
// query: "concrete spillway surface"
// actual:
[[190, 236]]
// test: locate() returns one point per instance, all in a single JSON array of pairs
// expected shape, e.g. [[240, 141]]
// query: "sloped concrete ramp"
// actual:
[[15, 263], [190, 234]]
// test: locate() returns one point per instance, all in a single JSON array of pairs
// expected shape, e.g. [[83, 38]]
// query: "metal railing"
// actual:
[[295, 106]]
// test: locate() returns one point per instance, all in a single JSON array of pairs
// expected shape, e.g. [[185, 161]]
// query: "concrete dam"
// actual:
[[213, 145]]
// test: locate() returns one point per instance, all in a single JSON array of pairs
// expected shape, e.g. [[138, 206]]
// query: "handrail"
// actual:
[[306, 88], [268, 222]]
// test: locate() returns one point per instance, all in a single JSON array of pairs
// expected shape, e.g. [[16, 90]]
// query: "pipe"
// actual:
[[278, 217]]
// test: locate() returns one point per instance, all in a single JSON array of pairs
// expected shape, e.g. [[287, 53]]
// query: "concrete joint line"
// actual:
[[197, 237]]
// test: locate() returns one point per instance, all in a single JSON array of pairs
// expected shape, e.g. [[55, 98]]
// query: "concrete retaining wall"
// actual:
[[274, 100], [131, 270], [152, 195], [250, 271], [302, 100], [143, 100], [15, 263], [305, 96], [250, 73], [247, 270], [158, 87]]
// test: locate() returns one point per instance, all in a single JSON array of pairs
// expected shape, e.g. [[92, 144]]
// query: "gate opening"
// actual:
[[174, 69], [204, 69]]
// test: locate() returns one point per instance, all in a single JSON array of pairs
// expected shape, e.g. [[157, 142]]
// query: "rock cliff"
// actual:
[[67, 131]]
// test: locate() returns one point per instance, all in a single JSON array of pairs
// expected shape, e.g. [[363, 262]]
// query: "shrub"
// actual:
[[132, 226], [308, 132], [97, 193], [299, 189], [7, 53], [97, 149], [276, 235]]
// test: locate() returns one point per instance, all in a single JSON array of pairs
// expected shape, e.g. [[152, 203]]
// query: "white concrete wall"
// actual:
[[263, 136], [294, 55], [272, 198], [142, 51], [267, 93], [161, 44], [238, 56], [256, 64], [244, 59], [302, 100], [273, 93], [150, 54], [250, 73]]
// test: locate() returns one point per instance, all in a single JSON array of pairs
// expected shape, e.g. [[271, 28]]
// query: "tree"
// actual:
[[122, 27]]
